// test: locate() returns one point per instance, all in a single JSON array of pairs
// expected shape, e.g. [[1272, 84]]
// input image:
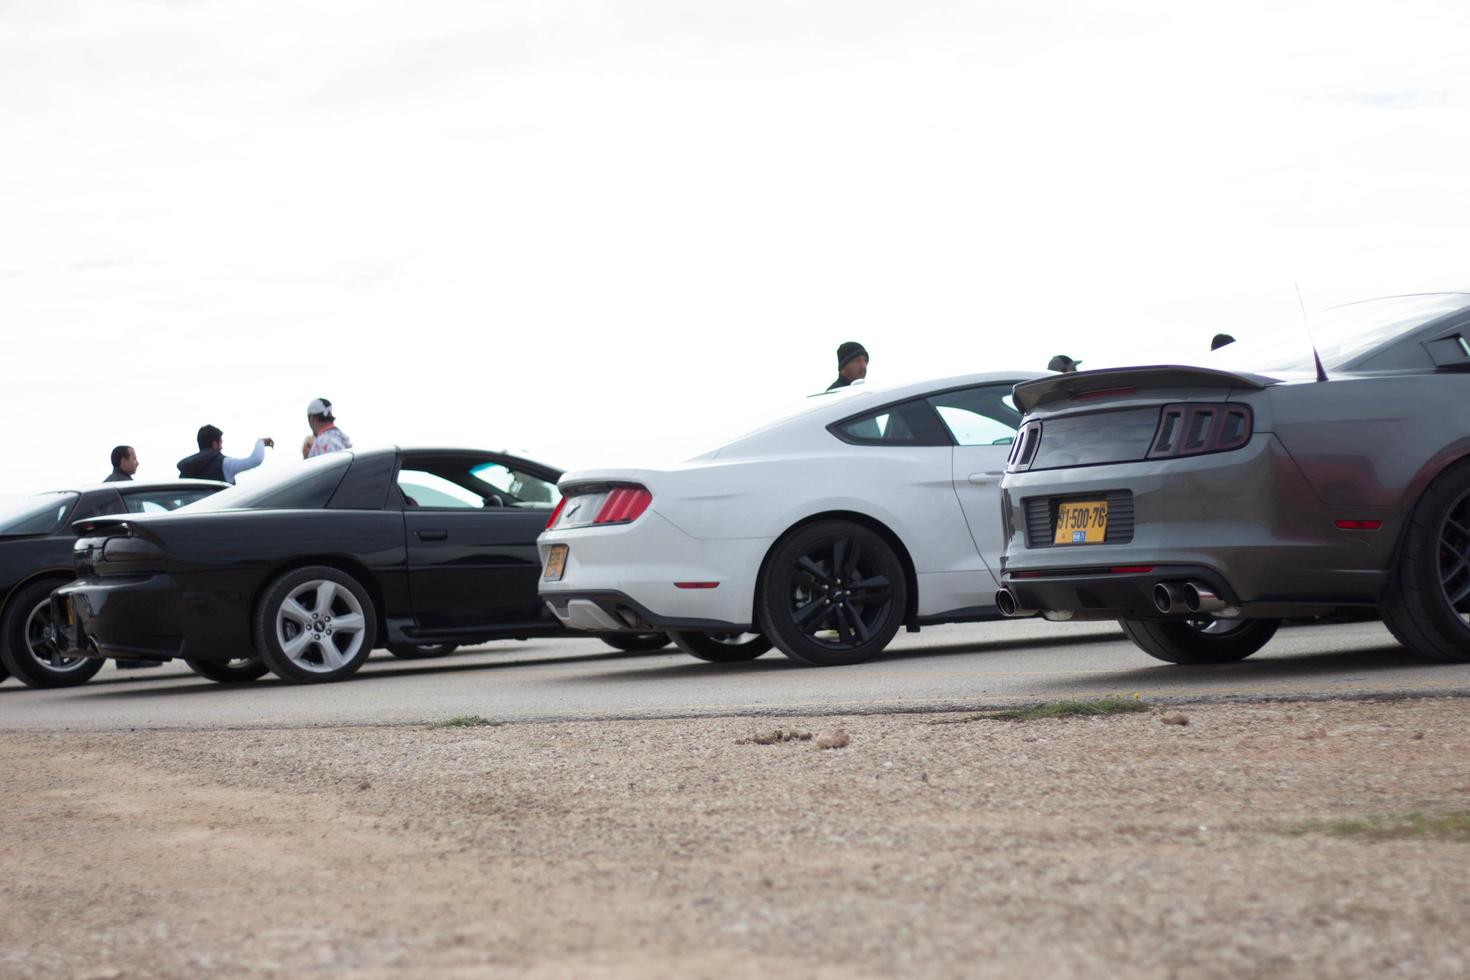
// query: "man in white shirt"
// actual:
[[327, 438]]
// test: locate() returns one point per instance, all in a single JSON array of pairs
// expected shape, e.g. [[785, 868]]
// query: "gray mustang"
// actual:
[[1202, 505]]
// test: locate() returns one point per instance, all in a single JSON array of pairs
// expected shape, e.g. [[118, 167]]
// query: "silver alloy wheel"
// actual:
[[41, 642], [326, 634]]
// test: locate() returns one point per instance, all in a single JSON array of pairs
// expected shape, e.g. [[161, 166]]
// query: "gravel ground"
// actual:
[[930, 845]]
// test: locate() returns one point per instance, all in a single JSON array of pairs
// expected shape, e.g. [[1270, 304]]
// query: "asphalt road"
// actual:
[[952, 667]]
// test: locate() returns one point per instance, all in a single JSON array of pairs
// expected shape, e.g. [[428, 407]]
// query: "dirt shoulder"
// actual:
[[928, 846]]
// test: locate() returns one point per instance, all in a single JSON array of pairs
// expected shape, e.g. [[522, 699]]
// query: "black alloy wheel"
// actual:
[[1427, 603], [315, 624], [1200, 641], [721, 648], [636, 642], [421, 651], [832, 593], [29, 646], [236, 671]]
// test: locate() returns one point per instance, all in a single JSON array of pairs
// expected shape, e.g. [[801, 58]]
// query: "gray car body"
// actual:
[[1257, 523]]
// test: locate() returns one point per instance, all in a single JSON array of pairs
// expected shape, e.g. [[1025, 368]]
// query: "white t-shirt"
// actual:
[[329, 440]]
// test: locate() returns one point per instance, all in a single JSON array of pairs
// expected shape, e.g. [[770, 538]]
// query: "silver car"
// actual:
[[1200, 506]]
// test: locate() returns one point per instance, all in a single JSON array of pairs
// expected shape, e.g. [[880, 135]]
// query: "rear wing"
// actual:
[[1029, 395], [91, 527]]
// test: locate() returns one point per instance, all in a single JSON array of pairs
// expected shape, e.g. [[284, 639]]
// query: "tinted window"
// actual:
[[159, 501], [983, 416], [305, 487], [468, 483], [909, 424], [36, 515]]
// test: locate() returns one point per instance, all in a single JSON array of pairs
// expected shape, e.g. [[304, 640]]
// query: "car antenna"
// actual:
[[1317, 358]]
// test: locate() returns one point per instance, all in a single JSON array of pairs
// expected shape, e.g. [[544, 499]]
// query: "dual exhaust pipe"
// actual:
[[1171, 598]]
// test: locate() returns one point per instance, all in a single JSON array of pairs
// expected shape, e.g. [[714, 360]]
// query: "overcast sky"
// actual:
[[589, 231]]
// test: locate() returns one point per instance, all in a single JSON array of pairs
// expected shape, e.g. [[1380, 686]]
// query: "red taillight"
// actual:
[[1196, 428], [556, 513], [623, 504], [1358, 525]]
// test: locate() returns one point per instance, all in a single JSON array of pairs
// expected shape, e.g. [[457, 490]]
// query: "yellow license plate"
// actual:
[[1081, 522], [556, 563]]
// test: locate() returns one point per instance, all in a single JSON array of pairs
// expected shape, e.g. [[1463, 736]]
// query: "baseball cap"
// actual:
[[320, 406], [1061, 363]]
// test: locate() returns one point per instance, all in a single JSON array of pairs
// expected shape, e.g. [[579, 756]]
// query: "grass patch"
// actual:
[[464, 721], [1452, 826], [1059, 709]]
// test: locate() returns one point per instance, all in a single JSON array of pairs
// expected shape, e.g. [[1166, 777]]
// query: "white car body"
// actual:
[[715, 518]]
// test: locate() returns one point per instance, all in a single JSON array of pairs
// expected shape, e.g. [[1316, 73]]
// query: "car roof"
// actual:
[[144, 485]]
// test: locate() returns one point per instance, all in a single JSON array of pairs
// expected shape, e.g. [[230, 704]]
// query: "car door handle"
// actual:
[[987, 477], [433, 534]]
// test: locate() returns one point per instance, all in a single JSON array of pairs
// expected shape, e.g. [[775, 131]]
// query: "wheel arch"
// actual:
[[60, 575], [1429, 474], [341, 563], [911, 578]]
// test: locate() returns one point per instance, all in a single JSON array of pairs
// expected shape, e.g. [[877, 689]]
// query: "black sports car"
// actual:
[[306, 573], [36, 556]]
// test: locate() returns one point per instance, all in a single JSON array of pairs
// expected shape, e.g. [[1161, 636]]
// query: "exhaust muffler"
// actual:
[[1169, 598], [1005, 601], [1200, 598]]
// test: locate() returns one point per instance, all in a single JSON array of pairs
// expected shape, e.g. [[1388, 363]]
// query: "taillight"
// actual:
[[1195, 428], [1023, 450], [623, 505], [556, 513]]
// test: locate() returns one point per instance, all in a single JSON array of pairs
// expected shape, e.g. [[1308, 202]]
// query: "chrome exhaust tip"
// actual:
[[1200, 598], [1169, 598], [1005, 601]]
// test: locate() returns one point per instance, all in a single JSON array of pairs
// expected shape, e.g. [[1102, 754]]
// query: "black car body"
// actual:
[[417, 550], [36, 542]]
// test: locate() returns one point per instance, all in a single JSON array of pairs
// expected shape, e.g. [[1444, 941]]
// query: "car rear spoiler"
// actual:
[[1063, 387], [94, 526]]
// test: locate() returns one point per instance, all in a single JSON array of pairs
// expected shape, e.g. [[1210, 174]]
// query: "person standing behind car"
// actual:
[[210, 463], [852, 364], [1063, 364], [124, 464], [323, 422]]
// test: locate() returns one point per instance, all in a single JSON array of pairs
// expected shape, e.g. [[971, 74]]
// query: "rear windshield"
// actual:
[[305, 487], [36, 515], [1341, 335]]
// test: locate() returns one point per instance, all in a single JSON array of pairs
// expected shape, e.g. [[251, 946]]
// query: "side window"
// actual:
[[983, 416], [159, 501], [517, 489], [424, 489], [909, 424]]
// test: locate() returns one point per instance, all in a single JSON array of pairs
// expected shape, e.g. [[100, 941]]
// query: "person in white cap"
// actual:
[[327, 437]]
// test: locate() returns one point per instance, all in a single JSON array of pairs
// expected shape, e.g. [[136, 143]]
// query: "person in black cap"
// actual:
[[1062, 363], [1221, 340], [852, 364]]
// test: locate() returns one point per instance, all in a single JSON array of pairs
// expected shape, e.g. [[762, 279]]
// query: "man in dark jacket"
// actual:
[[209, 463], [124, 464], [852, 364]]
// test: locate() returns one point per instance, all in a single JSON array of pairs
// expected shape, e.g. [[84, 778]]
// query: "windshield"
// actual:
[[36, 515], [1341, 335], [304, 487]]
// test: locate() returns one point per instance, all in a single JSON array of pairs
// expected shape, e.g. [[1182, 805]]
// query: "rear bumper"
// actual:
[[1245, 523], [622, 572], [149, 617]]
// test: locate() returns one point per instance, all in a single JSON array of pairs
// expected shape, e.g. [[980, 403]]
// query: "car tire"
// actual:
[[421, 651], [1213, 641], [24, 649], [832, 593], [1427, 603], [721, 648], [236, 671], [636, 642], [314, 625]]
